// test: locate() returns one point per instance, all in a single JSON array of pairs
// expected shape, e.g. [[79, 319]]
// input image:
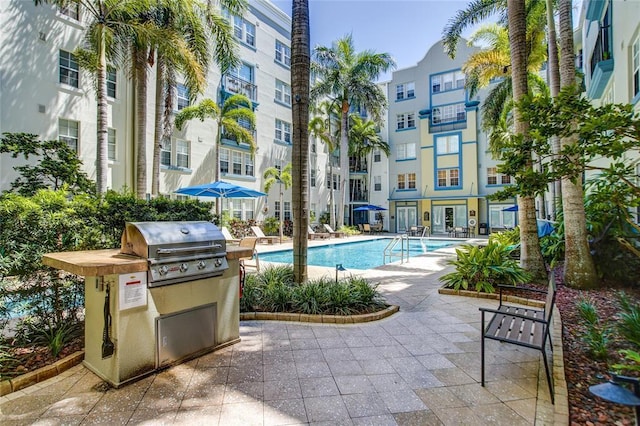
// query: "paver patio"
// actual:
[[419, 367]]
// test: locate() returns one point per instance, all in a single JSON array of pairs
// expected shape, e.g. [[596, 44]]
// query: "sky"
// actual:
[[405, 29]]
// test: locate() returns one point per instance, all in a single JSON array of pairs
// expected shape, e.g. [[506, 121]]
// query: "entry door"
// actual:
[[446, 217], [406, 217]]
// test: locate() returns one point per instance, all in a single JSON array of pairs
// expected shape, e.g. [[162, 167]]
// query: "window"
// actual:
[[448, 81], [283, 131], [111, 82], [505, 179], [448, 144], [406, 120], [377, 155], [336, 181], [406, 151], [492, 176], [165, 152], [448, 178], [405, 91], [377, 183], [236, 208], [242, 29], [636, 67], [236, 158], [283, 53], [314, 147], [312, 177], [448, 114], [283, 92], [182, 153], [405, 181], [224, 161], [71, 10], [111, 144], [287, 210], [248, 164], [183, 96], [68, 132], [276, 213], [69, 69]]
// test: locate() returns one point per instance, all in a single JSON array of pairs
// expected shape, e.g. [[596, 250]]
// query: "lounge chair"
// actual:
[[250, 242], [337, 234], [317, 235], [227, 236], [261, 237]]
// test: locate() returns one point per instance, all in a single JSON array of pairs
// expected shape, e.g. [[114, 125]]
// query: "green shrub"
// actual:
[[349, 230], [595, 336], [271, 226], [481, 268], [506, 238], [55, 337], [629, 321], [632, 359], [7, 360], [273, 290], [552, 248]]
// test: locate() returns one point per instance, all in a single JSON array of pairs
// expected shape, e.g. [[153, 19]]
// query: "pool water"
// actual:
[[356, 255]]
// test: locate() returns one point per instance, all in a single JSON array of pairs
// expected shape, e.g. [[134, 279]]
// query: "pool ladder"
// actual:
[[403, 240]]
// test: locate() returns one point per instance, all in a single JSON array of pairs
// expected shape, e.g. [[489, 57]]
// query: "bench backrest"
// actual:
[[551, 299]]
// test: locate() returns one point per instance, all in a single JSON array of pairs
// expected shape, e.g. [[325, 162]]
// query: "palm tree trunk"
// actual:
[[300, 63], [344, 160], [554, 86], [281, 212], [141, 121], [216, 163], [530, 256], [158, 133], [332, 208], [579, 268], [102, 121]]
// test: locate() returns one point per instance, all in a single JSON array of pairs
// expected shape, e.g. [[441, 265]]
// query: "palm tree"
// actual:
[[554, 88], [274, 175], [579, 268], [531, 257], [348, 76], [235, 119], [109, 22], [364, 139], [300, 64], [324, 127], [201, 33]]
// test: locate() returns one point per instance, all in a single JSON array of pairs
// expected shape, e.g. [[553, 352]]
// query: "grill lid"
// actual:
[[150, 239]]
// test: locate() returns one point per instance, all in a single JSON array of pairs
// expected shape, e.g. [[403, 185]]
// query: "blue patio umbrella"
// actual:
[[220, 189], [511, 209], [367, 208]]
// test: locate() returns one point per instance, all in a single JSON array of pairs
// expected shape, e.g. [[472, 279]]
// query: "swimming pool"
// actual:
[[356, 255]]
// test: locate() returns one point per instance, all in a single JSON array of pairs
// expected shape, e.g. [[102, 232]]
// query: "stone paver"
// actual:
[[419, 367]]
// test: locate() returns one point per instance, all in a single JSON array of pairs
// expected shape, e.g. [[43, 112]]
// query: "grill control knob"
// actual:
[[184, 267], [218, 263], [201, 264], [163, 270]]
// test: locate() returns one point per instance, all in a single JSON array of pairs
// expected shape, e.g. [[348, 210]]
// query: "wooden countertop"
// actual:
[[95, 263]]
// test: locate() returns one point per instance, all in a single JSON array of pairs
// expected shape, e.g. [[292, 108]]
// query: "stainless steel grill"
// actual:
[[176, 251]]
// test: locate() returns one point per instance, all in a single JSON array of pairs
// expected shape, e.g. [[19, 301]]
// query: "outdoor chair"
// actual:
[[337, 234], [366, 228], [317, 235], [376, 228], [413, 231], [250, 242], [228, 237], [261, 237]]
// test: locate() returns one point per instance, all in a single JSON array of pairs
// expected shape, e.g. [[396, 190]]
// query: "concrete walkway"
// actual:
[[419, 367]]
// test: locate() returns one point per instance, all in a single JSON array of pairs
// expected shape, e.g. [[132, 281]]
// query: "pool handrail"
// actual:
[[388, 251]]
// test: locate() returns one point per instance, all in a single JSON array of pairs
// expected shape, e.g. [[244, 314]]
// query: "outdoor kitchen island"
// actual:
[[133, 328]]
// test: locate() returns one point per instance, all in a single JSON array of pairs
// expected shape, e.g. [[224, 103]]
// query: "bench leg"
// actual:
[[546, 368], [482, 352]]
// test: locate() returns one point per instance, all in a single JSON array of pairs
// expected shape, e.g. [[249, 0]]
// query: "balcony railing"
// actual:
[[237, 85], [357, 165], [359, 196], [602, 48]]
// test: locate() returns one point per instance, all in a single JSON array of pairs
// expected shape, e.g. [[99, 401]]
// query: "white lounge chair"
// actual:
[[317, 235], [227, 236], [261, 237], [337, 234]]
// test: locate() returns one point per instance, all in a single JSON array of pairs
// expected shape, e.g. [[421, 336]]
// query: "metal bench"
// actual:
[[522, 326]]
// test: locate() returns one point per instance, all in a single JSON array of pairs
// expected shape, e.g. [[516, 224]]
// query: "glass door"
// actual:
[[406, 217]]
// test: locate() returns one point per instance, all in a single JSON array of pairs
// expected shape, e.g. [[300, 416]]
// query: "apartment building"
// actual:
[[440, 168], [608, 53], [44, 91]]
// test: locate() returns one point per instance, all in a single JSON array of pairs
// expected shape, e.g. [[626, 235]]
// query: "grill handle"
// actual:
[[187, 249]]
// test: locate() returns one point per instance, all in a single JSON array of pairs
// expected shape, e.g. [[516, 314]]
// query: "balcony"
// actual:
[[358, 165], [358, 196], [231, 140], [601, 63], [235, 85]]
